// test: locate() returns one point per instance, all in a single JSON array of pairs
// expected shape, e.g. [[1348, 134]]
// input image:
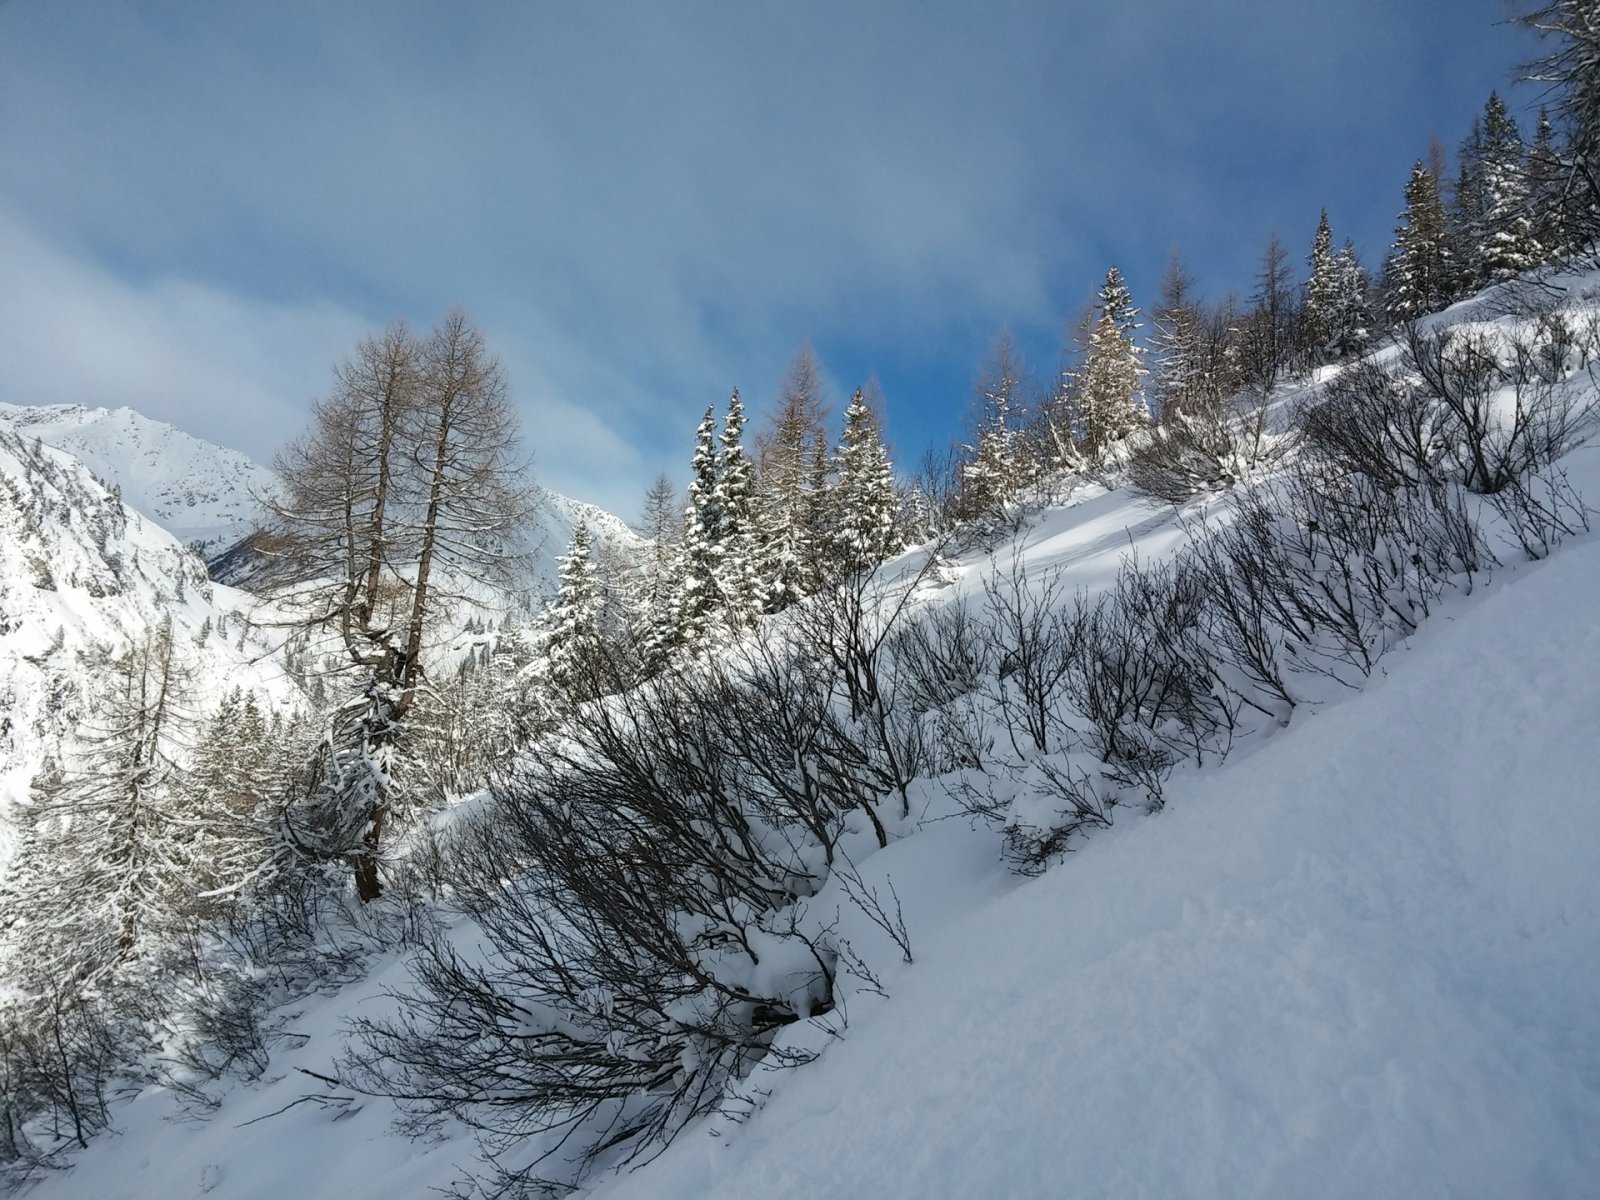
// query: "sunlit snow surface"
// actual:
[[1360, 959], [202, 494]]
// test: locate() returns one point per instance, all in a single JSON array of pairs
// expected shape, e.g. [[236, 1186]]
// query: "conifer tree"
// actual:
[[409, 478], [697, 596], [1420, 276], [1505, 242], [1176, 341], [1546, 200], [1465, 212], [1110, 382], [572, 626], [995, 469], [864, 502], [1267, 338], [656, 572], [1350, 314], [787, 482], [738, 576], [227, 797], [1322, 294], [1571, 66]]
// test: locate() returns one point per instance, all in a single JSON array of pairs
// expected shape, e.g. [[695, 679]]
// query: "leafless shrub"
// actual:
[[1036, 637], [637, 882], [1443, 413], [1207, 447], [946, 656], [1542, 511], [1083, 803]]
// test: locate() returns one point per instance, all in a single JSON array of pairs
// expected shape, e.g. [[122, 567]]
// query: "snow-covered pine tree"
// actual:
[[226, 797], [739, 562], [696, 597], [573, 637], [1420, 276], [1505, 244], [1350, 315], [1110, 383], [653, 583], [865, 507], [1571, 66], [1547, 200], [995, 467], [1322, 294], [1465, 210]]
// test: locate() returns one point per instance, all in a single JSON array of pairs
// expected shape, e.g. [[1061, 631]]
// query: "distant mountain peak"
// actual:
[[201, 493]]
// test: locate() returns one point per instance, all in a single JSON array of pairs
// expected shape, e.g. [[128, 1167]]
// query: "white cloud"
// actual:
[[646, 204], [236, 370]]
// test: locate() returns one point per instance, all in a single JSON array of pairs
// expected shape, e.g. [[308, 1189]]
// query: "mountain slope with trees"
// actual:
[[1179, 746]]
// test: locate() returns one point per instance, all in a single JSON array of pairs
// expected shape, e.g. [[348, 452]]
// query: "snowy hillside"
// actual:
[[82, 577], [204, 495], [1358, 962], [1353, 954]]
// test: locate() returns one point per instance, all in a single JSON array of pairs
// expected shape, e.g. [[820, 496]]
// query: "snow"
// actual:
[[1359, 958], [1358, 961], [203, 494], [83, 576]]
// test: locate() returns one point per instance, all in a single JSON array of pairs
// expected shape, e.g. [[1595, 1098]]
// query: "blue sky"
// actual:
[[202, 206]]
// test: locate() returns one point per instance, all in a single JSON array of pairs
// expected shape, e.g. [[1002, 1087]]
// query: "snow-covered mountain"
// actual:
[[82, 578], [203, 494]]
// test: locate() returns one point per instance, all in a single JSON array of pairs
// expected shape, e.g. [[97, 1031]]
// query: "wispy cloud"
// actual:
[[645, 204]]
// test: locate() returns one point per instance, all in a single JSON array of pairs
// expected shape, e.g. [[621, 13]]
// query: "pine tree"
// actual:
[[696, 575], [1176, 341], [1350, 312], [864, 500], [1465, 213], [656, 573], [1505, 242], [1110, 382], [573, 637], [1571, 65], [1420, 276], [227, 797], [738, 574], [1546, 201], [995, 470], [1322, 294]]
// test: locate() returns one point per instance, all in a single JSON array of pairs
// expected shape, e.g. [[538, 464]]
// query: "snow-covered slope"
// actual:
[[83, 577], [1359, 958], [203, 494], [1359, 961]]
